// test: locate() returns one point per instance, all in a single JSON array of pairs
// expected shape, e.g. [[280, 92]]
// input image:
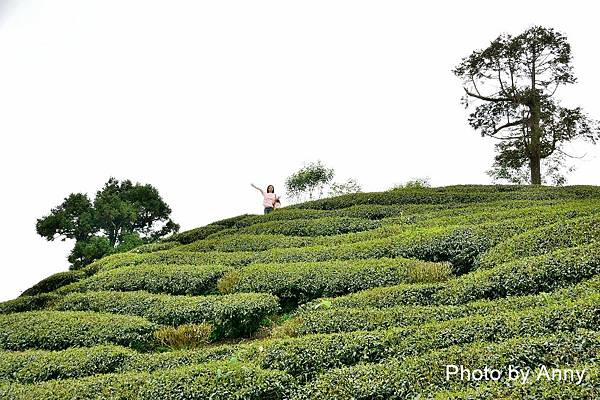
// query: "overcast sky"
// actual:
[[202, 98]]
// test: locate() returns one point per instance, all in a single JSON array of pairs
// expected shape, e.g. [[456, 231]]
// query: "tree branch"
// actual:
[[486, 98], [508, 125]]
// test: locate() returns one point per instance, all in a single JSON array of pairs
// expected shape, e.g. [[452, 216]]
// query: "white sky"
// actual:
[[201, 98]]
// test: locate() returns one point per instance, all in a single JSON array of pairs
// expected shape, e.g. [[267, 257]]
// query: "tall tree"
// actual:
[[121, 216], [309, 181], [513, 82]]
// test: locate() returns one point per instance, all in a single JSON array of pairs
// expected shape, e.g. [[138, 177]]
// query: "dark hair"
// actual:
[[272, 187]]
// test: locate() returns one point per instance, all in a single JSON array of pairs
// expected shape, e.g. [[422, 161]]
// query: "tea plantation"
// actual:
[[363, 296]]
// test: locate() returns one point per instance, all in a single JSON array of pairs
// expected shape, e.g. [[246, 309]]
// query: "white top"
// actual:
[[269, 199]]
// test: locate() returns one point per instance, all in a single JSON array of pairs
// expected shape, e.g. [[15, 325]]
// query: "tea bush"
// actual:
[[27, 303], [55, 330], [296, 283], [232, 315], [359, 296], [569, 233], [217, 380], [156, 278], [424, 375]]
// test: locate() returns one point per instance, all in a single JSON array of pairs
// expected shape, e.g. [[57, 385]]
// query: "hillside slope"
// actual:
[[364, 296]]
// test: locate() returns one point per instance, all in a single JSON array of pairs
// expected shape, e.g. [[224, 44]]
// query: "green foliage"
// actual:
[[27, 303], [122, 216], [309, 181], [525, 276], [324, 317], [486, 264], [195, 234], [296, 283], [459, 245], [542, 240], [55, 330], [312, 227], [171, 257], [88, 250], [523, 115], [247, 242], [156, 246], [426, 373], [41, 365], [454, 194], [307, 356], [521, 277], [53, 282], [347, 187], [231, 315], [417, 183], [218, 380], [155, 278], [73, 219]]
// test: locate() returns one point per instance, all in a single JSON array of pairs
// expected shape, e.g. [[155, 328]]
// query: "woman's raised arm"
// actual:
[[257, 188]]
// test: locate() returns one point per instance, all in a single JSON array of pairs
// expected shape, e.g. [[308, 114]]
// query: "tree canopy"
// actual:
[[312, 180], [513, 82], [121, 216], [309, 180]]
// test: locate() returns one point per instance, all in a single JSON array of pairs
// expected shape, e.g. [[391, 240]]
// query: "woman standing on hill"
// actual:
[[269, 197]]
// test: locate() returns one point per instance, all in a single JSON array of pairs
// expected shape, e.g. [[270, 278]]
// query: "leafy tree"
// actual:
[[122, 216], [309, 181], [513, 82], [312, 180], [415, 183], [350, 186]]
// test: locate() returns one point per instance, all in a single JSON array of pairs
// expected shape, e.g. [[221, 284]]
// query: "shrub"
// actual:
[[454, 194], [170, 257], [545, 239], [312, 227], [217, 380], [27, 303], [409, 227], [186, 336], [248, 242], [53, 282], [297, 283], [423, 375], [526, 276], [156, 246], [55, 330], [381, 297], [309, 355], [306, 356], [41, 365], [195, 234], [460, 245], [231, 315], [323, 318], [156, 278]]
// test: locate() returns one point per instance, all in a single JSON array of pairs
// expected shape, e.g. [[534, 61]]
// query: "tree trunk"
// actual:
[[535, 168], [535, 152]]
